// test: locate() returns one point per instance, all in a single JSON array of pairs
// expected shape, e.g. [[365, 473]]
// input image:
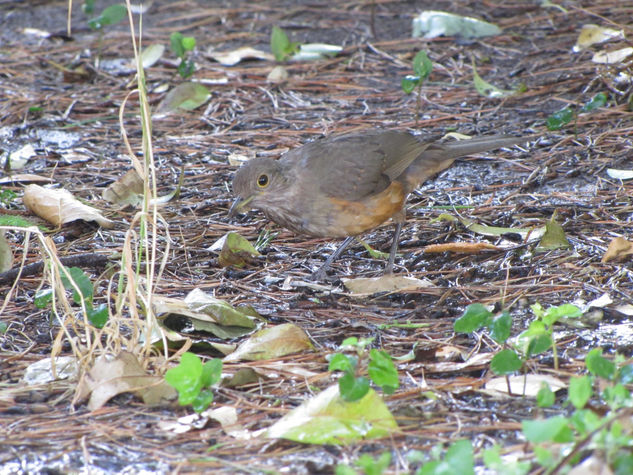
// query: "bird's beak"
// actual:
[[239, 205]]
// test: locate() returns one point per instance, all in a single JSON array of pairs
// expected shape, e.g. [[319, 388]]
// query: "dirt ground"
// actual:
[[563, 172]]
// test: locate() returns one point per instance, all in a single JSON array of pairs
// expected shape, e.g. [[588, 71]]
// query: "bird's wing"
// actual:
[[355, 166]]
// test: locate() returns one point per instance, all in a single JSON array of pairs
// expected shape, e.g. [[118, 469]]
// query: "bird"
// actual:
[[344, 185]]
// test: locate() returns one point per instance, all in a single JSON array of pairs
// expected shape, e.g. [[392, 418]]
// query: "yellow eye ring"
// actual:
[[262, 181]]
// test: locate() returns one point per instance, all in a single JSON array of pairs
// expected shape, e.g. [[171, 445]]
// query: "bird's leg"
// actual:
[[398, 219], [320, 273], [394, 247]]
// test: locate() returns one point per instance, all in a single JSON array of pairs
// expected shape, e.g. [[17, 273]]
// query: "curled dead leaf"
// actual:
[[126, 191], [110, 376], [618, 249], [59, 207]]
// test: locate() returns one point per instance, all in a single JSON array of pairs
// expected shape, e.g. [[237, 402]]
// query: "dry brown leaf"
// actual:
[[386, 283], [126, 191], [59, 207], [110, 376], [272, 342], [618, 249], [460, 247], [477, 361]]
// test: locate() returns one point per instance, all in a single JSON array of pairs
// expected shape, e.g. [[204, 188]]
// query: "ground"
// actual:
[[562, 173]]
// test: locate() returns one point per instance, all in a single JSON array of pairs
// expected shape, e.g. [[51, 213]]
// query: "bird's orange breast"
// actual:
[[355, 217]]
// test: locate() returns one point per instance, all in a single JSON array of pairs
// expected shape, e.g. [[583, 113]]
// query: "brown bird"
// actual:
[[344, 185]]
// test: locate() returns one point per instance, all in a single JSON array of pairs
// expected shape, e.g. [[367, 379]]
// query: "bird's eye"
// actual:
[[262, 181]]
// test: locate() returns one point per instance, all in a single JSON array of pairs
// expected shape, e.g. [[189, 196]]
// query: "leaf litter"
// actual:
[[515, 190]]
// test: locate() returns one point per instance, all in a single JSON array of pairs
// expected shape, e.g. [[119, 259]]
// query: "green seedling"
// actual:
[[88, 7], [7, 196], [535, 340], [193, 380], [280, 44], [380, 369], [181, 46], [559, 441], [559, 119], [422, 67], [109, 16], [368, 464], [458, 458], [75, 279]]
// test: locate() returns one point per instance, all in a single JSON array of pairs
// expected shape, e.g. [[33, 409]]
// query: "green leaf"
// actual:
[[623, 464], [185, 69], [554, 237], [585, 421], [187, 96], [544, 457], [186, 378], [625, 375], [98, 316], [188, 43], [486, 89], [409, 83], [474, 317], [113, 14], [545, 396], [211, 372], [538, 344], [554, 429], [82, 281], [328, 419], [236, 251], [202, 400], [375, 254], [554, 314], [460, 458], [353, 388], [109, 16], [382, 371], [505, 362], [537, 310], [280, 45], [422, 65], [175, 40], [43, 298], [350, 342], [598, 365], [616, 396], [16, 221], [372, 466], [341, 362], [344, 470], [3, 327], [88, 7], [500, 327], [599, 100], [580, 390], [557, 120]]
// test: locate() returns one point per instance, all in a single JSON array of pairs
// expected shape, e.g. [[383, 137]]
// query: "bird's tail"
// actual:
[[439, 156]]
